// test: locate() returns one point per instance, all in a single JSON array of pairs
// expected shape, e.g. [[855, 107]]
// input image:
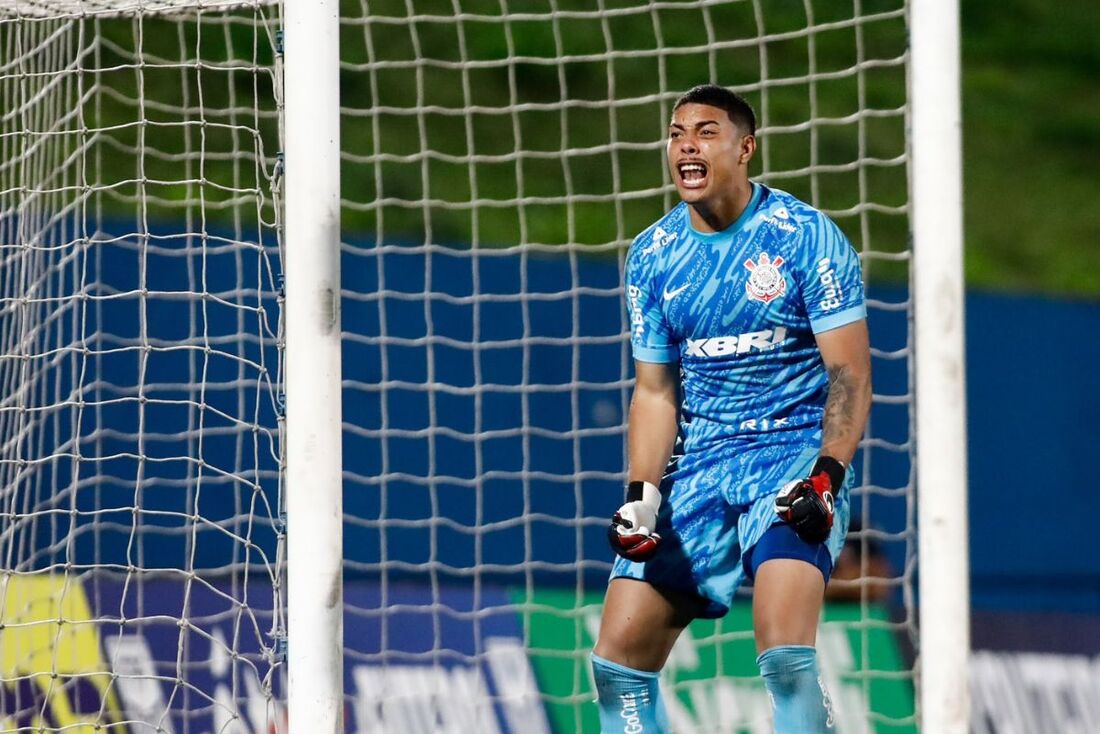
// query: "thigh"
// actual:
[[786, 603], [641, 622]]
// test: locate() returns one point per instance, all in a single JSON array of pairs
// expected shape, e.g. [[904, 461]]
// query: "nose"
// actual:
[[687, 144]]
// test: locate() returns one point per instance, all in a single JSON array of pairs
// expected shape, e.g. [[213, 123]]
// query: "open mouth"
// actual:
[[693, 174]]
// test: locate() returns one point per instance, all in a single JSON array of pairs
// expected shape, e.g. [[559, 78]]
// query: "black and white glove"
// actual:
[[632, 531], [808, 504]]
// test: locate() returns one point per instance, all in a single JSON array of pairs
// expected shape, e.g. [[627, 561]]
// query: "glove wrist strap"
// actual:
[[639, 491], [833, 468]]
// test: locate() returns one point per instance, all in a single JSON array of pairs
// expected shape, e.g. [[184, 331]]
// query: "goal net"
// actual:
[[498, 157], [140, 367]]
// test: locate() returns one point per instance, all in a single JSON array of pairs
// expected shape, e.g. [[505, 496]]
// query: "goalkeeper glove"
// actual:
[[631, 532], [808, 504]]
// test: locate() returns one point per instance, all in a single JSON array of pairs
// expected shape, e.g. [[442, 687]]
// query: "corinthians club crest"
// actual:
[[766, 283]]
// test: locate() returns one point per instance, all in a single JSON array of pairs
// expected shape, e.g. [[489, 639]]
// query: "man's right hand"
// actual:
[[632, 531]]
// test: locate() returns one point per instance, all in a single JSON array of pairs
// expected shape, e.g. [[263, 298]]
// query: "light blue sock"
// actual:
[[800, 702], [629, 700]]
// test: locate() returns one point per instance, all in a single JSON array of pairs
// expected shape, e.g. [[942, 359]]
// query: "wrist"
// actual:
[[833, 468], [646, 492]]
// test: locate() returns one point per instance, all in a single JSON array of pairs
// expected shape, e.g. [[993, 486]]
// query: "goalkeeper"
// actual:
[[748, 328]]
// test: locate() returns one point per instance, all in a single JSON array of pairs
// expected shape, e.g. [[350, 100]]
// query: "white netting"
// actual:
[[498, 158], [140, 369], [84, 8]]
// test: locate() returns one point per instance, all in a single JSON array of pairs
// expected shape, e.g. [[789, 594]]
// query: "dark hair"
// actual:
[[739, 111]]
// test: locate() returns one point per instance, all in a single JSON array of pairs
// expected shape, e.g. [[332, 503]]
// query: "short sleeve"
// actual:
[[832, 280], [650, 339]]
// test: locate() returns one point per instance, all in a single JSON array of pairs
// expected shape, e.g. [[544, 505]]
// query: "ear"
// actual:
[[747, 149]]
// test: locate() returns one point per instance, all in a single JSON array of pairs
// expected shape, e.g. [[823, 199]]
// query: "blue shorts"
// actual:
[[714, 513]]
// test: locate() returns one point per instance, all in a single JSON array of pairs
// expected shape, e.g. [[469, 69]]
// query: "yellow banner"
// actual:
[[51, 665]]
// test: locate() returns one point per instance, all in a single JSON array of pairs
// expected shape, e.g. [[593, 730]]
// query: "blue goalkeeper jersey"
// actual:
[[738, 309]]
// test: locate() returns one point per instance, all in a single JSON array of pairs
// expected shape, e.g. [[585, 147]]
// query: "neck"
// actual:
[[716, 215]]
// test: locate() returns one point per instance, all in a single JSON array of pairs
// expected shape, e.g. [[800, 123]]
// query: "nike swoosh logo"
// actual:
[[669, 295]]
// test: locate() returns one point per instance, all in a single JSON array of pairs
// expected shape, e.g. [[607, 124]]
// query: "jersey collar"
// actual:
[[714, 238]]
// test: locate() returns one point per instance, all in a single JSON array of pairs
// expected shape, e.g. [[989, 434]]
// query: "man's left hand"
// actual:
[[808, 504]]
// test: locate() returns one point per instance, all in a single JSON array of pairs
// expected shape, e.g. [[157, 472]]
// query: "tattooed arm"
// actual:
[[807, 504], [846, 352]]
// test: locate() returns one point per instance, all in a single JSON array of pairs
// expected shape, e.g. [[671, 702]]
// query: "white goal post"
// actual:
[[315, 600], [938, 295]]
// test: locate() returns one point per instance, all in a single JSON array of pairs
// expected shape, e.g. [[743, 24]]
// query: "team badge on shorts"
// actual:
[[766, 283]]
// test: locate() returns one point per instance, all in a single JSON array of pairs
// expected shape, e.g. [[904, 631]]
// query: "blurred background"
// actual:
[[1032, 266]]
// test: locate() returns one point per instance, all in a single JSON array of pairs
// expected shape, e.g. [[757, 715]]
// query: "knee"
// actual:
[[640, 623], [628, 646], [620, 646], [607, 648], [783, 666], [778, 632]]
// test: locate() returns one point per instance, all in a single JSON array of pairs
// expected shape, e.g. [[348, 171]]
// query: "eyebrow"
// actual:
[[701, 123]]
